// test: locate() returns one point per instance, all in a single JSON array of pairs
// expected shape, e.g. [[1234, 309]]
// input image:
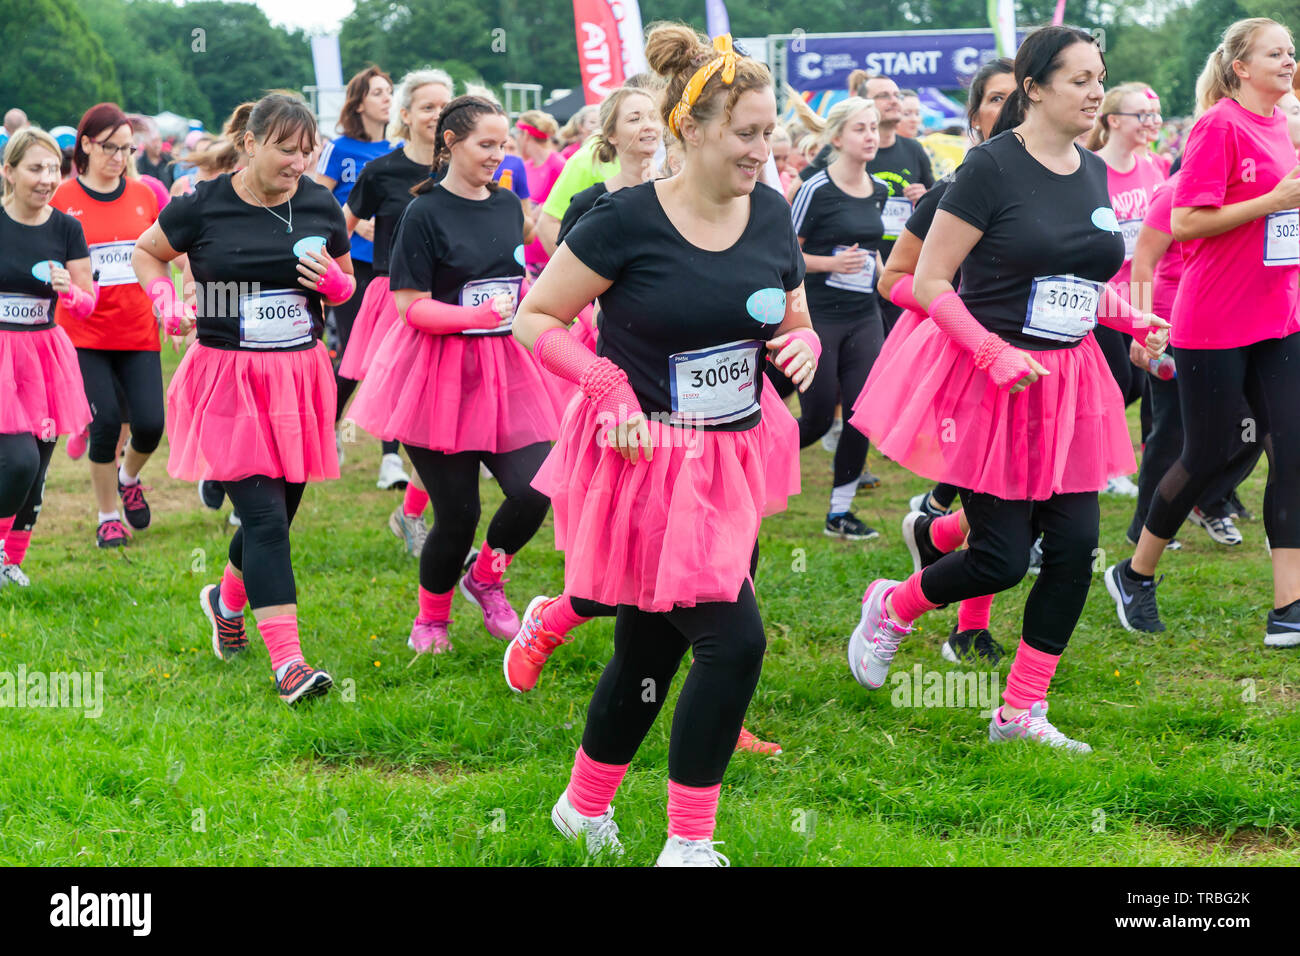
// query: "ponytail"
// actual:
[[1013, 112]]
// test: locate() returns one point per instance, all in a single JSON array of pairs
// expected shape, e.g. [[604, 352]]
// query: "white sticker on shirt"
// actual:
[[895, 215], [715, 385], [18, 309], [1130, 228], [112, 260], [864, 280], [474, 294], [1062, 308], [1282, 240], [274, 319]]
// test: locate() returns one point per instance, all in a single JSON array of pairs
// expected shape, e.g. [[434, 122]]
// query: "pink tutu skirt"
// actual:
[[454, 393], [678, 530], [234, 414], [927, 406], [378, 314], [41, 392]]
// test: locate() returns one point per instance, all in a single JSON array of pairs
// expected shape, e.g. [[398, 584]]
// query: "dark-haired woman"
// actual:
[[117, 345], [252, 403], [451, 384], [1005, 392]]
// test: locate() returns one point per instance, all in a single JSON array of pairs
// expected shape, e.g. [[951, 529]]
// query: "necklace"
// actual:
[[288, 223]]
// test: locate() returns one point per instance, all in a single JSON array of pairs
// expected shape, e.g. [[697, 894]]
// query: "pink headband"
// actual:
[[532, 131], [1151, 94]]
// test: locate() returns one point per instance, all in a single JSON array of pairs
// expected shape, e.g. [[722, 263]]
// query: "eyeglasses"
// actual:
[[111, 151], [1142, 117], [896, 95]]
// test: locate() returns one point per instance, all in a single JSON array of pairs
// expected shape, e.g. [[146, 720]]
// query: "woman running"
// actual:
[[699, 278], [450, 383], [1017, 404], [1234, 210], [44, 260], [252, 403], [536, 132], [117, 345]]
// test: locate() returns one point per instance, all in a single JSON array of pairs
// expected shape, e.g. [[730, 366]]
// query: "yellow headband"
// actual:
[[725, 61]]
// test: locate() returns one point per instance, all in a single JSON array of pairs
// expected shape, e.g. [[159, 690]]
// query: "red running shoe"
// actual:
[[527, 654], [751, 743]]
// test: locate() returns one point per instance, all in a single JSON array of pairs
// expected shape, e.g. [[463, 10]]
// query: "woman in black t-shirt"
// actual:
[[43, 259], [450, 383], [252, 403], [836, 215], [700, 282], [1005, 392]]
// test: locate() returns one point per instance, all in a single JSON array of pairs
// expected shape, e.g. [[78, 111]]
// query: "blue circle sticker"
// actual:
[[519, 255], [767, 306], [1103, 217], [42, 269], [307, 245]]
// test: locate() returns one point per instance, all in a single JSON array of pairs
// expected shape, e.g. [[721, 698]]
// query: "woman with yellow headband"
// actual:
[[675, 449]]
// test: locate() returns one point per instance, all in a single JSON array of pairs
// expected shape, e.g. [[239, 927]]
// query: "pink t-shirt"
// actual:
[[1238, 287], [1130, 195], [1170, 267], [540, 180]]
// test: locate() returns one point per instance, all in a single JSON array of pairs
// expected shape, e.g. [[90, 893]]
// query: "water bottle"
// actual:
[[1163, 367]]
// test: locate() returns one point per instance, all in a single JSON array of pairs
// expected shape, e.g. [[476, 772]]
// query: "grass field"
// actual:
[[434, 761]]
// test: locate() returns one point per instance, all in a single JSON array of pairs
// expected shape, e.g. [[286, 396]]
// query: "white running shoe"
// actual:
[[875, 640], [1220, 530], [411, 531], [679, 851], [338, 446], [12, 574], [234, 520], [831, 440], [391, 473], [1121, 485], [601, 832], [1033, 725]]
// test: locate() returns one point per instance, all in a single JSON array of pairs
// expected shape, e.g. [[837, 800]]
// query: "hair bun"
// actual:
[[673, 48]]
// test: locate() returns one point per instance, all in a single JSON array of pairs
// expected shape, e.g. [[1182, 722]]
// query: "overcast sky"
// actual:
[[318, 16]]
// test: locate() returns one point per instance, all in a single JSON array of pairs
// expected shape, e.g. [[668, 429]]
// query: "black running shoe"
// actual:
[[134, 505], [212, 494], [916, 533], [228, 635], [977, 645], [1283, 630], [1135, 602], [112, 534], [848, 526], [301, 681], [923, 504]]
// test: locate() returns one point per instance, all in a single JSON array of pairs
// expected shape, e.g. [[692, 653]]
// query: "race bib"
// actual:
[[864, 280], [1282, 240], [112, 260], [19, 309], [895, 215], [1129, 229], [474, 294], [715, 385], [1062, 308], [274, 319]]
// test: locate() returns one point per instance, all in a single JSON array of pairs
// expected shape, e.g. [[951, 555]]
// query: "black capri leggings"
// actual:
[[452, 483], [996, 557], [139, 377], [260, 548], [1210, 385], [24, 460], [849, 349]]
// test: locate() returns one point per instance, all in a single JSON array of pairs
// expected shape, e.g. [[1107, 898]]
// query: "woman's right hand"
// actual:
[[1022, 359], [850, 260], [1286, 194], [630, 437], [60, 279]]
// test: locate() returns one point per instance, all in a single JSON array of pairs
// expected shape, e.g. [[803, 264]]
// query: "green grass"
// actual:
[[435, 761]]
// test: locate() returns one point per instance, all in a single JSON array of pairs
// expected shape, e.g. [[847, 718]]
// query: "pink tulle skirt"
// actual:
[[41, 392], [378, 314], [927, 406], [454, 393], [234, 414], [678, 530]]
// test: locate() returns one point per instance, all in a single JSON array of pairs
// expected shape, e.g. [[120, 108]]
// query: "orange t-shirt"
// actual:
[[123, 319]]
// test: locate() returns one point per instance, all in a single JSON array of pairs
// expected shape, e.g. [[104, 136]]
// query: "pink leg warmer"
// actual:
[[559, 618], [692, 811], [413, 503], [281, 636], [232, 590], [16, 543], [491, 564], [946, 534], [973, 613], [435, 607], [909, 601], [592, 785], [1031, 672]]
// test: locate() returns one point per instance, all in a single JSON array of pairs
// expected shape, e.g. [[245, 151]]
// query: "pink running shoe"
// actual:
[[429, 637], [751, 743], [498, 616], [77, 444], [530, 649]]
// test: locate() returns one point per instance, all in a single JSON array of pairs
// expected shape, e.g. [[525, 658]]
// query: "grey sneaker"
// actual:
[[1135, 603], [1034, 726], [831, 440], [1283, 630], [876, 638], [410, 530]]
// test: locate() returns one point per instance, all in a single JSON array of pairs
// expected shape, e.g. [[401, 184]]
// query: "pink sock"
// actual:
[[945, 532], [435, 607], [909, 601], [560, 618], [281, 636], [1029, 676], [592, 785], [973, 613], [15, 546], [491, 564], [232, 591], [414, 501], [692, 811]]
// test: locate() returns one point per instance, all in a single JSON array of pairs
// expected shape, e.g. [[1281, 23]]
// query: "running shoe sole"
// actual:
[[850, 537], [1282, 640], [909, 536], [207, 612], [948, 653], [505, 658]]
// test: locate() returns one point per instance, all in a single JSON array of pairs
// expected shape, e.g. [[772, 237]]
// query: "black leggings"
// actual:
[[139, 377], [944, 494], [452, 483], [24, 460], [849, 349], [1210, 385], [996, 557], [260, 548], [728, 643]]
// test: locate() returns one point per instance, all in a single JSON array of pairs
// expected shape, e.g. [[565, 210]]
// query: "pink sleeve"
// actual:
[[1208, 162], [1160, 212]]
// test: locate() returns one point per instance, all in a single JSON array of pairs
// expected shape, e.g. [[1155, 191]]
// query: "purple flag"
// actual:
[[719, 22]]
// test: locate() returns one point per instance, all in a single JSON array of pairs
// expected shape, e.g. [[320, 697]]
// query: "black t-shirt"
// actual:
[[687, 324], [828, 219], [244, 264], [161, 170], [460, 250], [383, 191], [578, 205], [922, 217], [1043, 233], [899, 166], [26, 300]]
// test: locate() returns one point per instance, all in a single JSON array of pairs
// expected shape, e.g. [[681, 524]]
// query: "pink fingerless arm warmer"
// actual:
[[903, 297], [443, 318], [336, 286], [992, 353], [807, 335], [1116, 312], [78, 301], [603, 383], [171, 307]]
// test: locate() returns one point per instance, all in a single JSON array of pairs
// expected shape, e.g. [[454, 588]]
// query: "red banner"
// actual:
[[610, 45]]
